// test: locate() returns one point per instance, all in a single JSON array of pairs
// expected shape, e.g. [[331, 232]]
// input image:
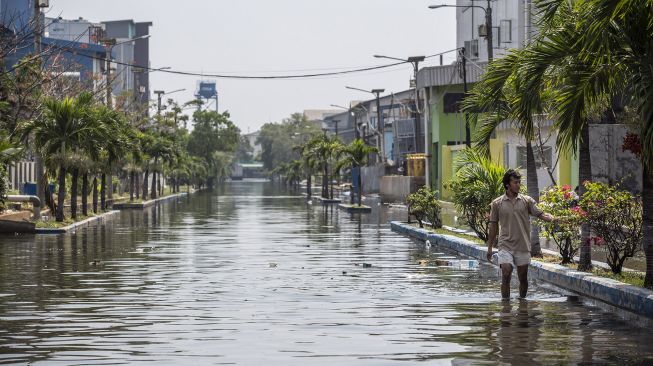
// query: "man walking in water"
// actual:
[[509, 216]]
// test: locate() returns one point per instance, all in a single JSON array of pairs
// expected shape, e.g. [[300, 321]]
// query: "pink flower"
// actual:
[[598, 241], [566, 188], [567, 195]]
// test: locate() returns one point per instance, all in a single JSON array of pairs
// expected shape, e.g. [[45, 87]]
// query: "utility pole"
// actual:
[[379, 123], [488, 24], [415, 61], [108, 46], [468, 140], [488, 37], [39, 171]]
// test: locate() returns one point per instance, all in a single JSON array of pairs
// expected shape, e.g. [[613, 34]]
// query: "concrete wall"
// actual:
[[609, 163], [371, 176], [395, 188]]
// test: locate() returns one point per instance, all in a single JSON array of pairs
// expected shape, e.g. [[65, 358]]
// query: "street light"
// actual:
[[488, 23], [160, 93], [349, 114], [39, 169], [379, 123], [414, 60]]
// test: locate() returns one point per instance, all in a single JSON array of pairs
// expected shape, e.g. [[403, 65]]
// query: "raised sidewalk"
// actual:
[[618, 294]]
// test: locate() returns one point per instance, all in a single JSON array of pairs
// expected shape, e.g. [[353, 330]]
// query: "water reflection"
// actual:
[[254, 275]]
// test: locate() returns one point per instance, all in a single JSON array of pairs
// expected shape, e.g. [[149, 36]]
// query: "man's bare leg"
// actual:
[[506, 273], [522, 273]]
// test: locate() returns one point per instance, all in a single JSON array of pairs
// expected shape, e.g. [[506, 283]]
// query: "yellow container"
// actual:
[[416, 164]]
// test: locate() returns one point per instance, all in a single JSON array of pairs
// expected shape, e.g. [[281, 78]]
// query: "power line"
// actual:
[[251, 77]]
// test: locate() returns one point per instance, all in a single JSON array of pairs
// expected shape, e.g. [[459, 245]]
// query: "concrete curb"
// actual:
[[636, 299], [356, 208], [142, 205], [90, 220], [65, 229]]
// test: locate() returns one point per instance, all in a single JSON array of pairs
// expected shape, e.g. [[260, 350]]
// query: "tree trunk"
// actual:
[[308, 184], [110, 186], [103, 192], [532, 185], [153, 188], [59, 215], [325, 181], [138, 185], [647, 225], [159, 186], [360, 188], [73, 193], [131, 186], [85, 193], [584, 174], [95, 194], [145, 183]]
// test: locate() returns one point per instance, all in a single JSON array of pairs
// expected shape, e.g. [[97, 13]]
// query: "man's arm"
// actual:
[[548, 217], [492, 237]]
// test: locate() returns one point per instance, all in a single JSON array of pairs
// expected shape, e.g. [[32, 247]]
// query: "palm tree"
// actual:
[[477, 182], [63, 127], [115, 144], [612, 56], [497, 98], [324, 150], [579, 75], [309, 163], [356, 155]]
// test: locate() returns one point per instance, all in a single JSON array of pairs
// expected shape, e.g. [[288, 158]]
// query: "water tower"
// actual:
[[206, 91]]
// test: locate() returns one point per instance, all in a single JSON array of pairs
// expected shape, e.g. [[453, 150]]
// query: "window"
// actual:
[[521, 156], [471, 49], [505, 31], [452, 102]]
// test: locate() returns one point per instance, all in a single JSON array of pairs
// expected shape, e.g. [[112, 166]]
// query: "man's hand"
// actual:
[[489, 254]]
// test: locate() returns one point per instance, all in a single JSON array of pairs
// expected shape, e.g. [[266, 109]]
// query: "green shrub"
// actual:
[[476, 183], [615, 217], [561, 202], [424, 205]]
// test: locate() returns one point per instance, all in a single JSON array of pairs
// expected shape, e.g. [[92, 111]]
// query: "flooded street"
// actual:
[[252, 275]]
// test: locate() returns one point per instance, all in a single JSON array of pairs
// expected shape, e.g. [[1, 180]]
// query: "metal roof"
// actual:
[[449, 75]]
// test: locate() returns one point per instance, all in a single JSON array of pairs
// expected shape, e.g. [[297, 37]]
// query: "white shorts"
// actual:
[[514, 258]]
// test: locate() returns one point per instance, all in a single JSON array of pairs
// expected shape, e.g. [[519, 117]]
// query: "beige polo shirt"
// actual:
[[514, 221]]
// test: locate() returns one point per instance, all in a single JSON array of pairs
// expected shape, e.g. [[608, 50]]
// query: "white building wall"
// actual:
[[512, 142], [508, 21]]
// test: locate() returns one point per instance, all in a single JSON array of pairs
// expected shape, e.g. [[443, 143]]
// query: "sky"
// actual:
[[278, 37]]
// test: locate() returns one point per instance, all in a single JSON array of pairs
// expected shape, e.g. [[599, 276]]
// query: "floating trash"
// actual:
[[367, 265], [273, 265]]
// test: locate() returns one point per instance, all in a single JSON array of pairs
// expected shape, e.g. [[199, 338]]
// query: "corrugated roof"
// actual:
[[449, 75]]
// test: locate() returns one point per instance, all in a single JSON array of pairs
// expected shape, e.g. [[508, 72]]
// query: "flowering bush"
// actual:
[[561, 202], [616, 219], [424, 205]]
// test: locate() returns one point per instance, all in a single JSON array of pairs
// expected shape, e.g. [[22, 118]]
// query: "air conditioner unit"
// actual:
[[44, 3], [482, 30]]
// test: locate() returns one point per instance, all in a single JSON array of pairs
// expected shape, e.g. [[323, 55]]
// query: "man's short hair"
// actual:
[[511, 173]]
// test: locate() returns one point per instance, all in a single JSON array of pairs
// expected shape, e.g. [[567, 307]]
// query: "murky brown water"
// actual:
[[255, 276]]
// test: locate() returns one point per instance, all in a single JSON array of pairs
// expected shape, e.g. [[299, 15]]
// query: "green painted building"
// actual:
[[441, 90]]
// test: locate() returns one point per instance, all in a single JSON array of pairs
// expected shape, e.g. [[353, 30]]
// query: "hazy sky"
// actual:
[[269, 37]]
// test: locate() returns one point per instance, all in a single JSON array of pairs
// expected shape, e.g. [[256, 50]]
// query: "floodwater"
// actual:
[[252, 275]]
